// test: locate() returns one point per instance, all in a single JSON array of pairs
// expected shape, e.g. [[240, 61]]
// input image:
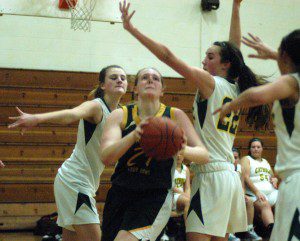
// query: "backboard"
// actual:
[[105, 10]]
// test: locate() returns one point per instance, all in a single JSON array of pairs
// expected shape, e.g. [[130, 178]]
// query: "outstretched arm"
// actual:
[[89, 110], [263, 50], [284, 87], [204, 81], [235, 34]]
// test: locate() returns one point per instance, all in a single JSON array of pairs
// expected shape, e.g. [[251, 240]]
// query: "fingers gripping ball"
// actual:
[[162, 138]]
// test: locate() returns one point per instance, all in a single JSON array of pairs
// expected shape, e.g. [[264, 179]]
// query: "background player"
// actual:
[[78, 178]]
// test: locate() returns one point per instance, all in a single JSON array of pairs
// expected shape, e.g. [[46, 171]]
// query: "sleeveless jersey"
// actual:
[[260, 175], [287, 129], [83, 169], [180, 178], [217, 136], [134, 169]]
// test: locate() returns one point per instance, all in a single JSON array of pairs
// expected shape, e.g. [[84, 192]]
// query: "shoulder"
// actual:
[[245, 160], [116, 116]]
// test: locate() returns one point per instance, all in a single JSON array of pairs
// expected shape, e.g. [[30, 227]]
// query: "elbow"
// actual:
[[206, 157], [166, 55], [105, 158], [257, 98]]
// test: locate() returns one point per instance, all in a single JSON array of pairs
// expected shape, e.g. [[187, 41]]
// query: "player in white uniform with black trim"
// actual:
[[78, 178], [223, 76], [284, 92]]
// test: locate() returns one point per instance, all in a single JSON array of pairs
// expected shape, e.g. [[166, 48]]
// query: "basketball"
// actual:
[[162, 138]]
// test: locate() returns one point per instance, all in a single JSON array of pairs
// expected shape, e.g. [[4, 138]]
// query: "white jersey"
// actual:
[[84, 167], [217, 136], [180, 178], [287, 128], [260, 175]]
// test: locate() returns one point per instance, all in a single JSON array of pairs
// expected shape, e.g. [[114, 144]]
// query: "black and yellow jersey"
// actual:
[[134, 169]]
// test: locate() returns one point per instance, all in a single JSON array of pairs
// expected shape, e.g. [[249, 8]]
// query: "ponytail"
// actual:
[[257, 116]]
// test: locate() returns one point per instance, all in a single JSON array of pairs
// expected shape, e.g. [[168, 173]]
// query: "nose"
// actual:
[[150, 79]]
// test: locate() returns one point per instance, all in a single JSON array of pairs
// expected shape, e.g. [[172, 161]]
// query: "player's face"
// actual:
[[236, 157], [149, 83], [256, 149], [115, 81], [212, 62], [180, 158]]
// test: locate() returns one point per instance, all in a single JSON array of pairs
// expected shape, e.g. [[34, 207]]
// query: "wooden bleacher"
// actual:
[[32, 160]]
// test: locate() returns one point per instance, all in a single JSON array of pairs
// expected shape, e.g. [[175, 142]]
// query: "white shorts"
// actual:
[[287, 214], [271, 197], [217, 201], [73, 207]]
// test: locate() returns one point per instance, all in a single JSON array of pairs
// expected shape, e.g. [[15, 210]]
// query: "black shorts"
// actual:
[[142, 213]]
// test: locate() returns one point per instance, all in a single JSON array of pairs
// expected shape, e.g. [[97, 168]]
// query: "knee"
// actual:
[[249, 203], [263, 205], [186, 201]]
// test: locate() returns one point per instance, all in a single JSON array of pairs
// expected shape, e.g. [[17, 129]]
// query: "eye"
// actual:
[[156, 78]]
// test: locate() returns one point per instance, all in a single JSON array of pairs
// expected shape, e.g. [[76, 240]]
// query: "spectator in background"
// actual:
[[261, 185], [250, 234], [182, 188]]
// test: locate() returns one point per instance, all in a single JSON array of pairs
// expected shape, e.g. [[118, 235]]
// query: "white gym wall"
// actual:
[[50, 44]]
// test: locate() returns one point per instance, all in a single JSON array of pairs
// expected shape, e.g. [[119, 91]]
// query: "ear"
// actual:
[[102, 86], [226, 66]]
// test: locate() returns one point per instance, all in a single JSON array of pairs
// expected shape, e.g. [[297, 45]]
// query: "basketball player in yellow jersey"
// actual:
[[139, 203]]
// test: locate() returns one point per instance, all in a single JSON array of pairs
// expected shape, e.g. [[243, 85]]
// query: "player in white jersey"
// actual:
[[261, 185], [78, 178], [216, 189], [284, 92], [182, 188]]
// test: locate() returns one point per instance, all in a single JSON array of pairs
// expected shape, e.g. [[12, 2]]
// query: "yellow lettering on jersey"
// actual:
[[130, 161]]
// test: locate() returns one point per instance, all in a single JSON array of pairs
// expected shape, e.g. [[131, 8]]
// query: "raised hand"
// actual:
[[125, 16], [263, 51], [24, 121]]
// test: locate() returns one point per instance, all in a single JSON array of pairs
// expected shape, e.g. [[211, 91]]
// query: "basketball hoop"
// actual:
[[81, 13]]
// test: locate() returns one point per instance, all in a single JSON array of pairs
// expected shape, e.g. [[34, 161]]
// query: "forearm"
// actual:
[[159, 50], [57, 117], [235, 25], [251, 186], [113, 152], [196, 154]]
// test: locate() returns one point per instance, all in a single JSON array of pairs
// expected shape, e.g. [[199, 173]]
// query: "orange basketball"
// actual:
[[162, 138]]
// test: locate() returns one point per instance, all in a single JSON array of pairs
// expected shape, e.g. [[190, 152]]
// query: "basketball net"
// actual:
[[81, 13]]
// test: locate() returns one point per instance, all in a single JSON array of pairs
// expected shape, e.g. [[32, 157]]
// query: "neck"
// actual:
[[112, 101], [148, 108]]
